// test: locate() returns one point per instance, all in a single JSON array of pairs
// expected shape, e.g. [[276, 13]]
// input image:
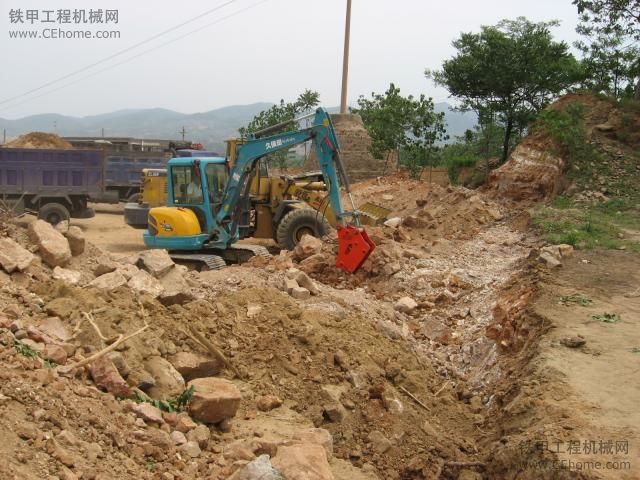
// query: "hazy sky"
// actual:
[[271, 51]]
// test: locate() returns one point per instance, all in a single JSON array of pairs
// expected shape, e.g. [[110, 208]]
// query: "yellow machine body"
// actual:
[[174, 221], [153, 189]]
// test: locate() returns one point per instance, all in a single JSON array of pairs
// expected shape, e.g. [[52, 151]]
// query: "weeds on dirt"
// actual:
[[25, 350], [176, 404], [607, 317], [568, 300]]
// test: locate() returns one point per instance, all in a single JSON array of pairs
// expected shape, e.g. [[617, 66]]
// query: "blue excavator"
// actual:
[[204, 214]]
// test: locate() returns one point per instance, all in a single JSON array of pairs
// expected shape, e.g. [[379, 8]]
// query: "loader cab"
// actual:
[[198, 184]]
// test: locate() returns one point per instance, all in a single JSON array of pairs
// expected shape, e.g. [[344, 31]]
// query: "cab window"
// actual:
[[187, 186], [216, 181]]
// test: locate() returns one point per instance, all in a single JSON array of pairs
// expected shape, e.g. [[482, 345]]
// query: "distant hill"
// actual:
[[209, 128]]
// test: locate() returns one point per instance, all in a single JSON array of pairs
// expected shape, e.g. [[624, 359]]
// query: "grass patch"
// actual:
[[589, 226], [607, 317]]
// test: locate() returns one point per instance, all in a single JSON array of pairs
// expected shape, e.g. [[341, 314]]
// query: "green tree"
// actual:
[[512, 70], [282, 112], [396, 123], [612, 57]]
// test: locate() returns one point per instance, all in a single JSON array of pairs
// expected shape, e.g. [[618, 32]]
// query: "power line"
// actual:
[[249, 7], [143, 42]]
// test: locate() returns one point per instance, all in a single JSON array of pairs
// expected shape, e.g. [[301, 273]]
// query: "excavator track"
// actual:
[[243, 252], [203, 261], [216, 259]]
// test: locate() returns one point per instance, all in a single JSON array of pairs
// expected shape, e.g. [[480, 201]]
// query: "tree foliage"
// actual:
[[611, 30], [512, 70], [395, 123]]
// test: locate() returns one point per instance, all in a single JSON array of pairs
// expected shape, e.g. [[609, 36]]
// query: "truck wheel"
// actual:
[[299, 222], [53, 213]]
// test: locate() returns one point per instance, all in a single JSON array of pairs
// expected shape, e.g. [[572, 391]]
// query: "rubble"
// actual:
[[214, 399], [168, 381], [13, 256], [156, 262], [76, 240], [109, 281], [191, 365], [306, 247], [72, 277]]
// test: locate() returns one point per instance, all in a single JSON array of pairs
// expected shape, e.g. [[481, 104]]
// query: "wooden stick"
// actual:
[[465, 464], [91, 320], [414, 398], [215, 351], [441, 388]]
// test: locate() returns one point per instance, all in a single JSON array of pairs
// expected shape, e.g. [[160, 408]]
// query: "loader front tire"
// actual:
[[299, 222]]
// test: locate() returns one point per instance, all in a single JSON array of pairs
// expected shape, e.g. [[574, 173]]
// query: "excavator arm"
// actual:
[[354, 243]]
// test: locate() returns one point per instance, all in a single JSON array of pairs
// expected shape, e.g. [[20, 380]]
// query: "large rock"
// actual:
[[76, 240], [54, 328], [307, 246], [156, 262], [13, 256], [54, 248], [169, 382], [176, 289], [106, 377], [214, 399], [144, 283], [72, 277], [258, 469], [148, 413], [109, 281], [406, 305], [191, 365], [305, 461]]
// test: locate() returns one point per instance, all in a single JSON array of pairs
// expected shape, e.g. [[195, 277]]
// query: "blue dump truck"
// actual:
[[54, 184]]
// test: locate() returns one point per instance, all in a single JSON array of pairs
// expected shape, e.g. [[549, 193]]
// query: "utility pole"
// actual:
[[183, 132], [103, 132], [4, 135], [345, 59]]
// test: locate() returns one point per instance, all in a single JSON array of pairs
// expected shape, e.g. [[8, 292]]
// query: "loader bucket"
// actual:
[[354, 247]]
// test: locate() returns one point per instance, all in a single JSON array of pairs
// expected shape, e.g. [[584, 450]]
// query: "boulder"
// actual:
[[54, 328], [144, 283], [214, 399], [307, 246], [176, 289], [305, 461], [13, 256], [109, 281], [105, 265], [192, 365], [76, 240], [565, 250], [289, 284], [55, 353], [406, 305], [106, 377], [393, 222], [258, 469], [266, 403], [156, 262], [62, 227], [169, 382], [72, 277], [300, 293], [550, 260], [54, 248]]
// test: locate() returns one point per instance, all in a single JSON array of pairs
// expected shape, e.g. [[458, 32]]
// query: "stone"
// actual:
[[305, 461], [201, 435], [176, 289], [307, 246], [178, 438], [106, 377], [72, 277], [13, 256], [303, 280], [75, 237], [386, 197], [393, 222], [258, 469], [192, 365], [334, 411], [565, 250], [109, 281], [184, 423], [406, 305], [413, 221], [54, 328], [550, 260], [142, 379], [318, 436], [148, 413], [62, 227], [55, 353], [266, 403], [214, 399], [120, 363], [300, 293], [573, 342], [157, 262], [379, 442], [191, 449], [144, 283], [289, 284], [169, 382], [105, 265], [54, 248], [127, 270]]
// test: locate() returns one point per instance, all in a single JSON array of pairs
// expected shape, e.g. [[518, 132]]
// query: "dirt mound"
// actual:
[[535, 170], [40, 140]]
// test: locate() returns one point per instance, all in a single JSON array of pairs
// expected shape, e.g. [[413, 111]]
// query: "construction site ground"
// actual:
[[461, 350]]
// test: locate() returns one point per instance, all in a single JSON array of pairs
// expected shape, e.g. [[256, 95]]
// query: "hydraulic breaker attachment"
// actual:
[[354, 247]]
